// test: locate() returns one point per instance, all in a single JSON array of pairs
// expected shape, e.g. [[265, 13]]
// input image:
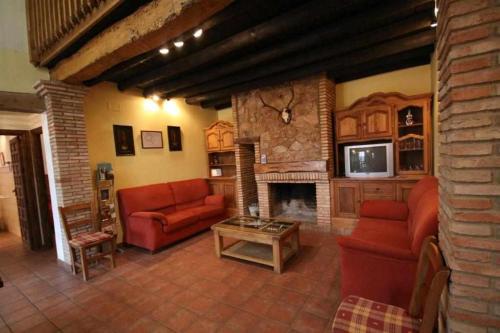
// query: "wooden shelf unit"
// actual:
[[219, 138], [381, 117]]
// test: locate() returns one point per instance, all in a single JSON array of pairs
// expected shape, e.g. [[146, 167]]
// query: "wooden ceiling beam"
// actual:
[[150, 27], [21, 102], [380, 51], [313, 12], [363, 42], [342, 28]]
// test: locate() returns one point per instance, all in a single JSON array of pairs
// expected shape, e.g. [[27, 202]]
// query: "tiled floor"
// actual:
[[182, 289]]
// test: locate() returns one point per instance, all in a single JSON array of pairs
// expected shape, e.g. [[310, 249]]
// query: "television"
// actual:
[[373, 160]]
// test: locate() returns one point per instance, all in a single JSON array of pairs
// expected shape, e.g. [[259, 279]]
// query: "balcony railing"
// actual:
[[53, 25]]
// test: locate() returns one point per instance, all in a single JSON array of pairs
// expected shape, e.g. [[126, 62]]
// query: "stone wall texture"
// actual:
[[298, 141], [468, 53]]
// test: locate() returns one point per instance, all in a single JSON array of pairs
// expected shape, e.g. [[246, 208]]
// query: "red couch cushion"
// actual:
[[207, 211], [180, 219], [425, 219], [390, 233], [189, 193], [145, 198], [425, 184]]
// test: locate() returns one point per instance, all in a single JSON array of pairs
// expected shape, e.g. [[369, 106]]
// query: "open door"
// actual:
[[17, 155], [31, 193]]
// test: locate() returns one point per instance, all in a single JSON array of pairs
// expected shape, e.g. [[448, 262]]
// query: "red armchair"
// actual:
[[379, 260], [154, 216]]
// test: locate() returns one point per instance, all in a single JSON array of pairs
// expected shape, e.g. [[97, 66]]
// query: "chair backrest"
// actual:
[[78, 216], [432, 275]]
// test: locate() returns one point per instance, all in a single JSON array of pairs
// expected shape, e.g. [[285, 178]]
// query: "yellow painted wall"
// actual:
[[410, 81], [17, 74], [225, 114]]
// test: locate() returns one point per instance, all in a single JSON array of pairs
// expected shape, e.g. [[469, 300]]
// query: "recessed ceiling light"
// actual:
[[179, 44], [155, 98], [198, 33], [164, 50]]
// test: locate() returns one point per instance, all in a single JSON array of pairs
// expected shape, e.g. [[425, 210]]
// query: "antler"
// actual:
[[293, 96], [267, 105]]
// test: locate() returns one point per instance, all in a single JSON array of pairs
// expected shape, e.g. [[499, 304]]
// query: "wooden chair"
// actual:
[[83, 235], [356, 314]]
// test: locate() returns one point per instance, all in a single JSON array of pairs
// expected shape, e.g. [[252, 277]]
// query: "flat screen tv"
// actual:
[[374, 160]]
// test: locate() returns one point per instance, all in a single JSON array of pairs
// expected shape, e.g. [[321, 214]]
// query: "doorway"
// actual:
[[24, 175]]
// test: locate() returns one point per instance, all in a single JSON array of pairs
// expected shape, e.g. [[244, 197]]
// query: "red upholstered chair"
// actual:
[[379, 259], [357, 314]]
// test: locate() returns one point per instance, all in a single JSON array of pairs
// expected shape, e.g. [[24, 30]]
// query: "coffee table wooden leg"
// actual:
[[219, 244], [277, 256], [295, 243]]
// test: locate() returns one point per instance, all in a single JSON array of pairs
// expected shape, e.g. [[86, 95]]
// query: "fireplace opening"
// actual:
[[293, 201]]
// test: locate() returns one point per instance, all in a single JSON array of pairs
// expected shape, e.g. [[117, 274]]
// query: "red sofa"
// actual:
[[154, 216], [379, 259]]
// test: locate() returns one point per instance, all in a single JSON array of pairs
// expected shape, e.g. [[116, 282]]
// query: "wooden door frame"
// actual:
[[28, 183]]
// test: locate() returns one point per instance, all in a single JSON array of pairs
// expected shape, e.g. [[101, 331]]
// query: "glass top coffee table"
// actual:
[[265, 241]]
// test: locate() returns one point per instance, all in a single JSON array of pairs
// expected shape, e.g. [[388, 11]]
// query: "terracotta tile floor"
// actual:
[[185, 288]]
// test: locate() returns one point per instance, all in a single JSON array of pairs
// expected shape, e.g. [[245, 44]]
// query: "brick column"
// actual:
[[468, 54], [68, 161]]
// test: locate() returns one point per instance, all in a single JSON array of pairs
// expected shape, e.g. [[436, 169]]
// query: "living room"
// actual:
[[247, 176]]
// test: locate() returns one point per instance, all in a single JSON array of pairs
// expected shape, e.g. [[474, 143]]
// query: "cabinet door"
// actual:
[[348, 125], [403, 190], [213, 140], [378, 191], [377, 122], [226, 139], [347, 199]]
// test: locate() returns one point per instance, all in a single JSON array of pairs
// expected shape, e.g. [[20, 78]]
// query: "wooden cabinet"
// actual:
[[349, 193], [366, 124], [219, 138]]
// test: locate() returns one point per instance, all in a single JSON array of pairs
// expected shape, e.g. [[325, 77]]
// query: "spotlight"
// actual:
[[179, 44], [434, 24], [155, 98], [164, 51], [198, 33]]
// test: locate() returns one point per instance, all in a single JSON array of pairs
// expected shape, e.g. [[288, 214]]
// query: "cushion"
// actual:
[[390, 233], [208, 211], [88, 238], [186, 191], [145, 198], [356, 314], [417, 192], [180, 220], [425, 219]]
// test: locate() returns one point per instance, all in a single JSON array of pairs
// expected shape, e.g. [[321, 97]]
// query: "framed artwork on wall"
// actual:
[[151, 139], [124, 140], [174, 138]]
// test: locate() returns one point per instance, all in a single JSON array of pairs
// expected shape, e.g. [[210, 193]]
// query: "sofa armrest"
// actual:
[[375, 248], [153, 216], [384, 209], [215, 200]]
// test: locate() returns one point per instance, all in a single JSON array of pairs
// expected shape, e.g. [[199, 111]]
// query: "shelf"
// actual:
[[415, 149], [221, 151], [222, 164], [222, 178], [413, 125]]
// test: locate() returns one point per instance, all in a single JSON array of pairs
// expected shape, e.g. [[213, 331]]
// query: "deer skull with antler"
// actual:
[[286, 112]]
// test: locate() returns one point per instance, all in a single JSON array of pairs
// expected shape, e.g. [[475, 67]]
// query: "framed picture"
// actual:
[[174, 138], [151, 139], [124, 140]]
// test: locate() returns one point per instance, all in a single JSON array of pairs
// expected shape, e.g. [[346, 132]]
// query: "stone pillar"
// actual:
[[69, 172], [468, 54]]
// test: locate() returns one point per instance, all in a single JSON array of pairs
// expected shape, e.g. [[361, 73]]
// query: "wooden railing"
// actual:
[[54, 24]]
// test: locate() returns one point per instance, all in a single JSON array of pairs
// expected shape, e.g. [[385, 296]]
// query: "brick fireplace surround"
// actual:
[[293, 150]]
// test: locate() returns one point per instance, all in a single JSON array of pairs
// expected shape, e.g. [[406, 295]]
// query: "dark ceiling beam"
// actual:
[[363, 42], [308, 14], [214, 103], [342, 28], [21, 102], [380, 51], [228, 16]]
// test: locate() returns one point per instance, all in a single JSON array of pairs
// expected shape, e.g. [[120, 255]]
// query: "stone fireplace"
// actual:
[[297, 156]]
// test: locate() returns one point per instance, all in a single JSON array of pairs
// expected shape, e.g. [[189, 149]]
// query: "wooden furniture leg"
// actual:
[[112, 254], [295, 241], [219, 244], [85, 264], [277, 256], [73, 260]]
